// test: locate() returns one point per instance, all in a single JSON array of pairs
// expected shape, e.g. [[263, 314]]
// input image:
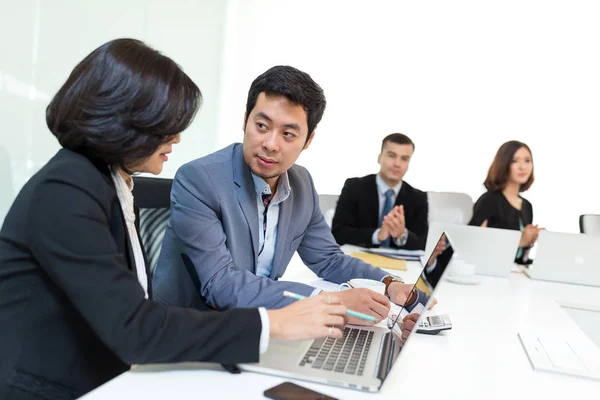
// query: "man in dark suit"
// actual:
[[383, 210]]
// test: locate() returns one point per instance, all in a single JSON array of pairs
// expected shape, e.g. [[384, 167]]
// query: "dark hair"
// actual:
[[121, 103], [499, 171], [398, 138], [297, 86]]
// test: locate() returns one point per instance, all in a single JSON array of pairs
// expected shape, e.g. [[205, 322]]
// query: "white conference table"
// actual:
[[480, 358]]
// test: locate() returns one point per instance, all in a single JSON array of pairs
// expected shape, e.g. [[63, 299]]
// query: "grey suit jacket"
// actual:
[[214, 220]]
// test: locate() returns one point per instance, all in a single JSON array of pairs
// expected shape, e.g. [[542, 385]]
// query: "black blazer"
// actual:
[[72, 313], [495, 208], [357, 213]]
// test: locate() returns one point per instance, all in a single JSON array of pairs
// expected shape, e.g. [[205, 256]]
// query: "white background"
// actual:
[[459, 77]]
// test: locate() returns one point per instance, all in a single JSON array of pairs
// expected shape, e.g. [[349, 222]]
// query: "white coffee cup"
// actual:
[[371, 284], [461, 269]]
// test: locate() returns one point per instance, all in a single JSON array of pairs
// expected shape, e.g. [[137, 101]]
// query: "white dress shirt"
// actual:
[[268, 238]]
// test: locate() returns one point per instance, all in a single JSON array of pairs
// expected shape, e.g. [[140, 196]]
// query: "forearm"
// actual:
[[235, 289], [415, 241], [158, 335]]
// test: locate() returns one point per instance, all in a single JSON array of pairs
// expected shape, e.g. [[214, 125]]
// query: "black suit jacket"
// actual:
[[72, 313], [357, 213]]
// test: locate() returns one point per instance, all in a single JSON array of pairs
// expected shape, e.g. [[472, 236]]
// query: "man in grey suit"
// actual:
[[240, 214]]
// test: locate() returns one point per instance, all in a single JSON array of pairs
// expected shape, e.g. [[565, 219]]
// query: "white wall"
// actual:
[[459, 77], [41, 41]]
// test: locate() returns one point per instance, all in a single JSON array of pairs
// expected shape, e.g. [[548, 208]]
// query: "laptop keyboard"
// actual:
[[347, 355]]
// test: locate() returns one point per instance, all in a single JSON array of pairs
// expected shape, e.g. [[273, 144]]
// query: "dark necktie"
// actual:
[[387, 207], [266, 198]]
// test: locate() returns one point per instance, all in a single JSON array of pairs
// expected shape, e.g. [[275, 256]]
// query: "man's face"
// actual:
[[274, 136], [394, 160]]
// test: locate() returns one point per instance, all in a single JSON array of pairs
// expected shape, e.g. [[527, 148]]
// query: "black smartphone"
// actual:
[[291, 391]]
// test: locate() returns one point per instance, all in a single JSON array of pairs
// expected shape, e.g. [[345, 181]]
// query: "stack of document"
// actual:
[[401, 254], [380, 261]]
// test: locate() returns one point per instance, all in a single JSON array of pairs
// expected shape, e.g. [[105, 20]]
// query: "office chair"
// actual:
[[152, 197], [450, 207], [327, 204], [590, 224]]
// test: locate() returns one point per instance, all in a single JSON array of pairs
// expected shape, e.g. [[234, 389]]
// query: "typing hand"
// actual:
[[311, 318], [365, 301]]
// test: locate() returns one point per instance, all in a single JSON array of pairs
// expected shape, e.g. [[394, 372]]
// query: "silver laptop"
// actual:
[[566, 257], [491, 250], [361, 360], [557, 352]]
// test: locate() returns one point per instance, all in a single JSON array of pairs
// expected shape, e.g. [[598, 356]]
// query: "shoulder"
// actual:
[[74, 170], [490, 196], [413, 191], [68, 182], [299, 176], [219, 157], [489, 199], [360, 182], [526, 203], [217, 163]]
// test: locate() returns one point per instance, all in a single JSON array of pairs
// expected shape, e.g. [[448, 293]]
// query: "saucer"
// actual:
[[463, 280]]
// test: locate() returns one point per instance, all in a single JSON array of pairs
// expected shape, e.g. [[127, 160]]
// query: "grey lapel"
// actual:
[[246, 195], [285, 214]]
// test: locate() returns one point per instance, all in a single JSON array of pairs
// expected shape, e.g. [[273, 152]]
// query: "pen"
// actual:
[[350, 312]]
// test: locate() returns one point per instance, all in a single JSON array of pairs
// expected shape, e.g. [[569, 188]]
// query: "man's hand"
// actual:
[[399, 292], [311, 318], [408, 324], [383, 234], [394, 222], [365, 301]]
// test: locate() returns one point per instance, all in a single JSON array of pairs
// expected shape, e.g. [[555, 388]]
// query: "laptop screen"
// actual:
[[431, 274], [434, 269]]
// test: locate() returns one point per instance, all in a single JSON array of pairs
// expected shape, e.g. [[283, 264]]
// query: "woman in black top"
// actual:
[[502, 206], [76, 303]]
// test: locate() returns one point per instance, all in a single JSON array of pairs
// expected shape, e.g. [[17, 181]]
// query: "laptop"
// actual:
[[567, 258], [560, 353], [491, 250], [361, 360]]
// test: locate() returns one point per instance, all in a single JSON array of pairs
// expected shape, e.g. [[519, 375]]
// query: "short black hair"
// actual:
[[121, 103], [398, 138], [297, 86]]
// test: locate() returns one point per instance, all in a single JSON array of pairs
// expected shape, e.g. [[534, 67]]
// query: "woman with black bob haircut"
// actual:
[[502, 206], [75, 298]]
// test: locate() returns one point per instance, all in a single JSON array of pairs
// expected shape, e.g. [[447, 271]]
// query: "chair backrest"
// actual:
[[152, 197], [450, 207], [590, 224], [327, 204]]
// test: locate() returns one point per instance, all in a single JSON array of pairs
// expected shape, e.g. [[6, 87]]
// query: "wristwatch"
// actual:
[[414, 294], [388, 281]]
